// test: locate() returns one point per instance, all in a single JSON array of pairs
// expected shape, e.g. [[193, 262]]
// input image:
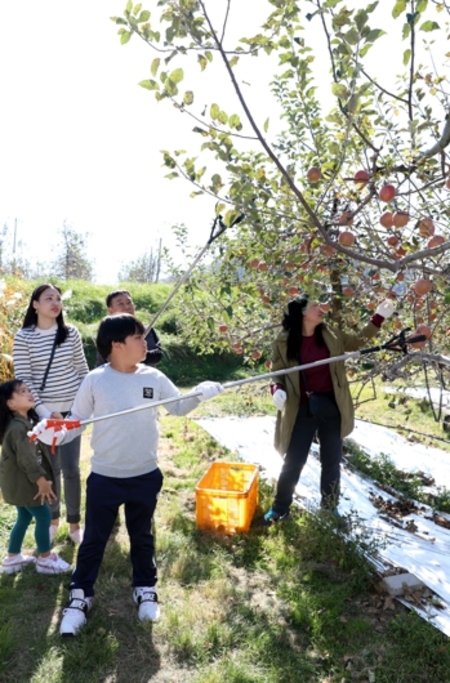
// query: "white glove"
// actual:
[[279, 399], [209, 390], [48, 435], [386, 308]]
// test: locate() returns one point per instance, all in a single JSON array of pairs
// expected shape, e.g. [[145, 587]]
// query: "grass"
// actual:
[[294, 603]]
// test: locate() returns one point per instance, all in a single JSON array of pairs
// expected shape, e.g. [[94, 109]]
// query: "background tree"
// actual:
[[72, 261], [146, 268], [348, 194]]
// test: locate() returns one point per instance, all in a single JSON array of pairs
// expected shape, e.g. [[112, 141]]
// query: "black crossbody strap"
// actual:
[[47, 370]]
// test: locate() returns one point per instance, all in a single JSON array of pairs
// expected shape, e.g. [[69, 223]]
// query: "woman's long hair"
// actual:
[[6, 391], [292, 323], [31, 316]]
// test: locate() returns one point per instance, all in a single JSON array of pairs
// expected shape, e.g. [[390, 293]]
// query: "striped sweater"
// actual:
[[31, 353]]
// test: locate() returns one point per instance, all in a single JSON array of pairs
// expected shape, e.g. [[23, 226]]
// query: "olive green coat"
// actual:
[[22, 463], [337, 343]]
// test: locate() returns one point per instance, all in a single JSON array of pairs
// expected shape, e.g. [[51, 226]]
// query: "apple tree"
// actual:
[[343, 173]]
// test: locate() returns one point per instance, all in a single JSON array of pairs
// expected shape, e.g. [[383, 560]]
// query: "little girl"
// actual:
[[26, 481]]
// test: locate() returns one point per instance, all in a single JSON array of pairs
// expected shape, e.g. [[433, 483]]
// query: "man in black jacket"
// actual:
[[120, 301]]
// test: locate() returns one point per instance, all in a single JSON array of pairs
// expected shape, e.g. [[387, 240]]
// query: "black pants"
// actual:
[[328, 432], [104, 495]]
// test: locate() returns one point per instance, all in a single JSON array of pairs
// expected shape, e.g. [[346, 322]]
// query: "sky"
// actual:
[[80, 141]]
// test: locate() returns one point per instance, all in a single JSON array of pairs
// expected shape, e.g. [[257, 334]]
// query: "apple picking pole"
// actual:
[[215, 233], [397, 343]]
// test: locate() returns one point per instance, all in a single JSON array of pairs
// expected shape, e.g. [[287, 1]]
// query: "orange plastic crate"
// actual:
[[226, 497]]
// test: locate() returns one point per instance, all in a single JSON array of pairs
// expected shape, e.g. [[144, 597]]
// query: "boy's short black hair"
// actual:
[[116, 292], [116, 328]]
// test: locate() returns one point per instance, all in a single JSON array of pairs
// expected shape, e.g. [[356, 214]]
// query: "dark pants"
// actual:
[[104, 495], [67, 459], [328, 432], [42, 515]]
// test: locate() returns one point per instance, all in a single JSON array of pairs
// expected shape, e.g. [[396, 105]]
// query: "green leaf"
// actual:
[[209, 56], [429, 26], [233, 61], [339, 90], [155, 66], [144, 16], [125, 37], [266, 125], [188, 97], [421, 5], [374, 34], [399, 7], [176, 76], [202, 61], [119, 20], [129, 6], [137, 8], [406, 57], [353, 36], [220, 208], [223, 117], [214, 111], [216, 180], [149, 84], [235, 122]]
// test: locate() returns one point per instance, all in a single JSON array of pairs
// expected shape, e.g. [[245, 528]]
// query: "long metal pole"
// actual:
[[72, 424]]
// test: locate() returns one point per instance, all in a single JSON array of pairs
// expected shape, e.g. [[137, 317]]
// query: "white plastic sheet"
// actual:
[[425, 553]]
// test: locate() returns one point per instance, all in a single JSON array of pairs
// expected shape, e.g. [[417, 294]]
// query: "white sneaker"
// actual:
[[52, 565], [11, 565], [147, 599], [76, 536], [74, 616]]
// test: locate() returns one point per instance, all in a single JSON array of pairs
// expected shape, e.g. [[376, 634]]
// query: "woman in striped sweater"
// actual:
[[48, 356]]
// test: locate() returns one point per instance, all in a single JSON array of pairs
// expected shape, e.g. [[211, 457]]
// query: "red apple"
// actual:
[[327, 249], [400, 219], [435, 241], [325, 307], [293, 291], [386, 220], [346, 218], [422, 286], [263, 267], [361, 177], [421, 329], [426, 227], [256, 355], [314, 174], [254, 263], [346, 238], [393, 240], [223, 328], [387, 193], [348, 291]]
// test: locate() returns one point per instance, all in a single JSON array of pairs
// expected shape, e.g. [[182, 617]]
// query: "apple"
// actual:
[[346, 218], [435, 241], [256, 355], [290, 266], [348, 291], [393, 240], [386, 220], [266, 300], [327, 249], [346, 238], [223, 328], [370, 306], [400, 219], [325, 307], [314, 174], [254, 263], [421, 329], [263, 267], [268, 364], [293, 291], [387, 193], [362, 177], [422, 286], [426, 227]]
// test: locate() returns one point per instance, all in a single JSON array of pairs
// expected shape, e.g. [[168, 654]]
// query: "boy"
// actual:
[[124, 462], [120, 301]]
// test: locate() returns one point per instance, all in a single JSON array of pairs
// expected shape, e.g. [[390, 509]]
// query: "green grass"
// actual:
[[294, 603]]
